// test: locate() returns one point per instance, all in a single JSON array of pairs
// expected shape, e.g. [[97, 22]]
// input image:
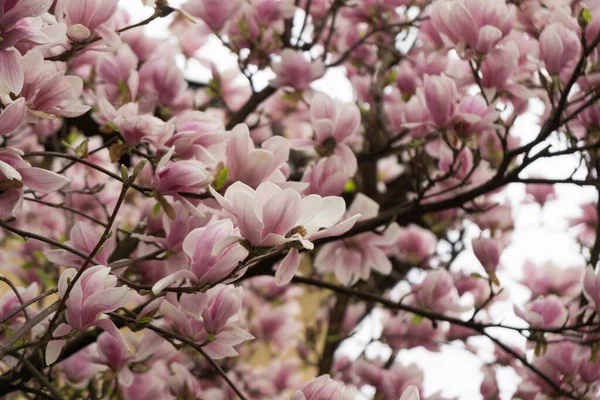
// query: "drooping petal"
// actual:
[[287, 267]]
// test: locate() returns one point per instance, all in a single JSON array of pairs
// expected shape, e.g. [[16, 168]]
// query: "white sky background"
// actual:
[[540, 235]]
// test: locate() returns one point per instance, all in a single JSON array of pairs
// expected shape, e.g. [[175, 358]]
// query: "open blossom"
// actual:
[[271, 216], [253, 166], [10, 302], [48, 91], [199, 135], [352, 259], [213, 254], [16, 18], [209, 317], [15, 173], [336, 126], [133, 126], [549, 279], [117, 76], [83, 237], [84, 17], [437, 292], [545, 312], [295, 71], [415, 244], [478, 24], [93, 294], [326, 177]]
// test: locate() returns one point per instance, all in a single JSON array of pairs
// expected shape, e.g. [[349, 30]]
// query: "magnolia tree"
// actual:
[[172, 239]]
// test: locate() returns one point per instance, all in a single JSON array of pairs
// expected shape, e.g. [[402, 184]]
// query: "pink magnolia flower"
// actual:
[[113, 354], [321, 388], [397, 382], [78, 368], [133, 126], [327, 177], [10, 302], [83, 237], [253, 166], [175, 231], [540, 193], [213, 255], [14, 23], [440, 95], [489, 386], [172, 177], [295, 71], [277, 326], [93, 294], [336, 126], [545, 312], [271, 216], [161, 82], [199, 135], [15, 173], [150, 384], [117, 78], [487, 252], [437, 292], [48, 91], [182, 383], [210, 319], [402, 332], [559, 48], [475, 116], [353, 258], [84, 17], [415, 244], [214, 13], [479, 24], [547, 279]]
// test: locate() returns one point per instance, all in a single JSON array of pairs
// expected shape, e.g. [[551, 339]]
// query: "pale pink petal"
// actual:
[[42, 180], [287, 267], [174, 277]]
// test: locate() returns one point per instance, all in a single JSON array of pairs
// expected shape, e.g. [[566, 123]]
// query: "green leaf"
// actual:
[[585, 17], [417, 319], [350, 186], [156, 210], [82, 150], [221, 178]]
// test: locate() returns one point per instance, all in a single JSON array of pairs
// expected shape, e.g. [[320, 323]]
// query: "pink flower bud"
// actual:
[[487, 252], [440, 96], [559, 47]]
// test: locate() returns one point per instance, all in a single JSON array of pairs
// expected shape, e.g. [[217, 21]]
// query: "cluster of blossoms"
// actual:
[[173, 239]]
